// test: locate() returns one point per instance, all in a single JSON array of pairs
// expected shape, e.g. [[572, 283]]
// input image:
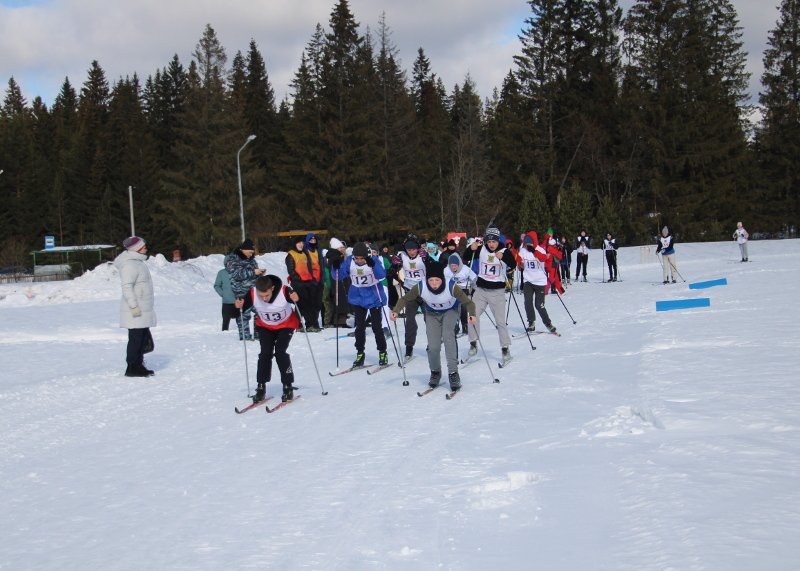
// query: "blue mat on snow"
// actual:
[[710, 283], [682, 304]]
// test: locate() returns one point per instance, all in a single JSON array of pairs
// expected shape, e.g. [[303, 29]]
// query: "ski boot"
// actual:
[[436, 376], [359, 362], [383, 358], [455, 381], [506, 355], [409, 353], [288, 393], [531, 327], [473, 348], [261, 392], [551, 328]]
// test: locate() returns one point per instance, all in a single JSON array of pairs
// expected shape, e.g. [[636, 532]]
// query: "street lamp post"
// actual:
[[239, 171]]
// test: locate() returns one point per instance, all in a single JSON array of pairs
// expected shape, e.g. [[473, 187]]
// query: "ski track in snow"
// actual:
[[637, 440]]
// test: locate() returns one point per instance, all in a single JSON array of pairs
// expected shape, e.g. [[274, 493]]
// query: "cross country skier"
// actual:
[[610, 246], [491, 264], [533, 259], [464, 278], [277, 320], [666, 246], [366, 296], [442, 300], [412, 262], [741, 236], [582, 246]]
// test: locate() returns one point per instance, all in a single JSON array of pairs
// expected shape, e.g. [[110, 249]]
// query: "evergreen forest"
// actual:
[[607, 121]]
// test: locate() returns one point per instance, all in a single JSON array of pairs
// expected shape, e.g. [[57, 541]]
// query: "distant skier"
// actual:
[[463, 277], [741, 236], [583, 244], [610, 247], [533, 259], [666, 246], [412, 262]]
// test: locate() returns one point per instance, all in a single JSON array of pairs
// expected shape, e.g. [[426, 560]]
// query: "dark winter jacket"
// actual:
[[242, 271]]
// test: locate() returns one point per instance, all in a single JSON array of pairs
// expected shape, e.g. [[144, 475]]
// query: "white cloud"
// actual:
[[44, 42]]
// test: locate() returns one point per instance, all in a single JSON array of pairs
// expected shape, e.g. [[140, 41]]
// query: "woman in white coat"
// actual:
[[741, 236], [137, 312]]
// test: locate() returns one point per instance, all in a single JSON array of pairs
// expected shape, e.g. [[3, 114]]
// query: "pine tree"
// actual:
[[778, 137], [534, 212], [574, 211]]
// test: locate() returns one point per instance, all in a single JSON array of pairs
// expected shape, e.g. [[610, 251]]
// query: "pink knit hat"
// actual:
[[133, 244]]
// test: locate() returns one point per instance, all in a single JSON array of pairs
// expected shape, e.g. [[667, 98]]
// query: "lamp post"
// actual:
[[239, 171]]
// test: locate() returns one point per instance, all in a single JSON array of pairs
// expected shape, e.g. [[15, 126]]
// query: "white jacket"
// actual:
[[137, 291]]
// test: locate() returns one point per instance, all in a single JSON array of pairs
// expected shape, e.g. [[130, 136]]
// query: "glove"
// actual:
[[370, 261], [136, 312]]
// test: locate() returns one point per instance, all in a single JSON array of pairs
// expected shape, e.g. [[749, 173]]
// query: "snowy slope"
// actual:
[[637, 440]]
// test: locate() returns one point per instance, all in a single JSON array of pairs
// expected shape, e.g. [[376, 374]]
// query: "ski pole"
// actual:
[[485, 358], [603, 265], [336, 314], [565, 307], [524, 325], [244, 344], [396, 334], [310, 350]]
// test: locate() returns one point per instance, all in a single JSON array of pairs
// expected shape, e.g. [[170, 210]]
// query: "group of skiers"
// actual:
[[451, 288]]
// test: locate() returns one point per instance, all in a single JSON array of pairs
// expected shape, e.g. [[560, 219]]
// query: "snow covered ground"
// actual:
[[637, 440]]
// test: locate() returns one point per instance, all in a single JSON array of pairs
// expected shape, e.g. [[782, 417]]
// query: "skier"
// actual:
[[741, 236], [490, 266], [137, 307], [413, 263], [551, 266], [464, 278], [610, 247], [582, 246], [532, 259], [442, 300], [666, 246], [367, 297], [337, 291], [277, 320], [244, 270], [566, 259]]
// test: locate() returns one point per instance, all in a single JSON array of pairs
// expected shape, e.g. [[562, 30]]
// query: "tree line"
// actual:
[[605, 121]]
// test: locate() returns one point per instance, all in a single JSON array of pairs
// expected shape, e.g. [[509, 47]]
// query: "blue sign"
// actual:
[[682, 304], [49, 242], [708, 284]]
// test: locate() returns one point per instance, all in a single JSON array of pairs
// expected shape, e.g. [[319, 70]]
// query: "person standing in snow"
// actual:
[[442, 300], [337, 291], [367, 298], [222, 285], [610, 247], [491, 264], [137, 308], [583, 244], [304, 267], [243, 269], [277, 321], [566, 259], [741, 236], [532, 260], [666, 246]]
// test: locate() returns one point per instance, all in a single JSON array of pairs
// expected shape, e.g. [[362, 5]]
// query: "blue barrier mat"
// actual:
[[710, 283], [683, 304]]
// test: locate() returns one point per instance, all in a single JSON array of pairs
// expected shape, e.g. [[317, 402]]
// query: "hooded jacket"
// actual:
[[137, 291]]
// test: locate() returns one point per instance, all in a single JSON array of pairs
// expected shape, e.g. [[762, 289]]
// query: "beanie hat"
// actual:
[[435, 270], [454, 259], [411, 244], [247, 245], [452, 243], [133, 244], [527, 240], [336, 243], [361, 250], [492, 233]]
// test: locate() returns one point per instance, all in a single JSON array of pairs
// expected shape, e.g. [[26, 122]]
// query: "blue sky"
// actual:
[[42, 42]]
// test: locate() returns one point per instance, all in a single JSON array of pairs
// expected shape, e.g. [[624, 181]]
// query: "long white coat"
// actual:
[[137, 291]]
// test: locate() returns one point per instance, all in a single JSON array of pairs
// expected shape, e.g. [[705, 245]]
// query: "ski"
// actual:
[[468, 361], [378, 368], [349, 370], [504, 362], [451, 394], [405, 361], [282, 404], [521, 335], [427, 391], [251, 406]]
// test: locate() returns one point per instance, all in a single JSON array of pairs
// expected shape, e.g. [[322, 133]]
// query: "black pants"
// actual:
[[411, 321], [229, 312], [565, 272], [361, 327], [310, 303], [611, 259], [136, 340], [583, 260], [530, 292], [275, 342]]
